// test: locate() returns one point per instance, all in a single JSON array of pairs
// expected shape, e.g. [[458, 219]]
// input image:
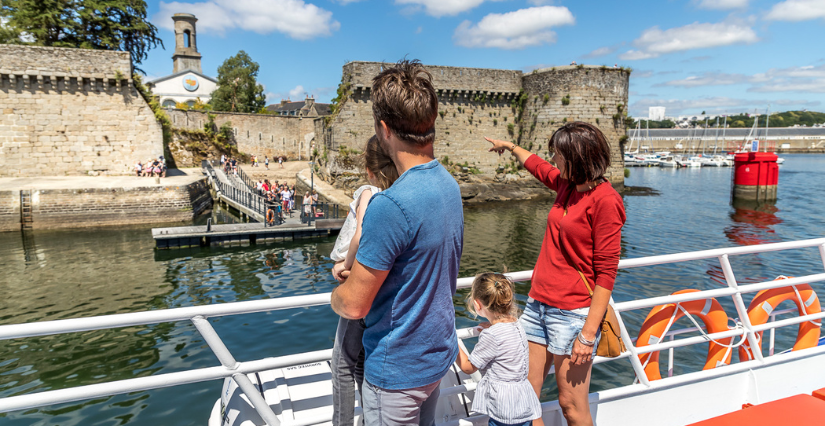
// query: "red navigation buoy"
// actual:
[[756, 175]]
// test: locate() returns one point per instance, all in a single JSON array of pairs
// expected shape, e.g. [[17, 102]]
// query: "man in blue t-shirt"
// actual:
[[404, 277]]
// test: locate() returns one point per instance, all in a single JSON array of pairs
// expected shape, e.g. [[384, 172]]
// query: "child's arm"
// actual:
[[463, 361], [360, 210]]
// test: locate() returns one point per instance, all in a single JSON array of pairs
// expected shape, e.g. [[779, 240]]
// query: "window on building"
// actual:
[[260, 136], [235, 130], [186, 38], [169, 103], [190, 103], [247, 133]]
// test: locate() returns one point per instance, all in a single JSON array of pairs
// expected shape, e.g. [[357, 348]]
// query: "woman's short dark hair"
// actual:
[[584, 149]]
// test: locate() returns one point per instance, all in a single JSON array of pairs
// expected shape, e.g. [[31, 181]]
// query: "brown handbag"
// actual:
[[611, 344]]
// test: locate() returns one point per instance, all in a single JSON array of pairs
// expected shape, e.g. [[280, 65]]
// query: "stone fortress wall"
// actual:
[[257, 134], [66, 111], [500, 104], [597, 95]]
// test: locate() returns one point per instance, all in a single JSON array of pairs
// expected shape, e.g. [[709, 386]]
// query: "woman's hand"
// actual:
[[581, 354], [500, 146]]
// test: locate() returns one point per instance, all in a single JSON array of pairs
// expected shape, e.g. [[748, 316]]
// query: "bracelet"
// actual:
[[512, 148], [584, 341]]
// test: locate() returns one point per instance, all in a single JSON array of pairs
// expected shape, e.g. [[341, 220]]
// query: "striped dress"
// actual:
[[504, 394]]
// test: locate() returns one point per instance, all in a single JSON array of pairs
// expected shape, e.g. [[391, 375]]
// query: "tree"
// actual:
[[238, 89], [87, 24]]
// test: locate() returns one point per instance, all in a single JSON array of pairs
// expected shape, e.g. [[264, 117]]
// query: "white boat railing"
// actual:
[[238, 370]]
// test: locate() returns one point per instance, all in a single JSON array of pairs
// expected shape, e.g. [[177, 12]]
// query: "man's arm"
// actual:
[[353, 299]]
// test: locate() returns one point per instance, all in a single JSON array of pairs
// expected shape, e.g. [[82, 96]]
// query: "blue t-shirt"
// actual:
[[414, 230]]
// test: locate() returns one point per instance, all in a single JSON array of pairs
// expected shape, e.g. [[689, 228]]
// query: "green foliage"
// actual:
[[782, 119], [87, 24], [441, 113], [620, 107], [470, 119], [209, 127], [495, 122], [342, 95], [580, 66], [597, 120], [564, 120], [226, 131], [238, 89], [182, 105], [653, 124], [623, 139], [565, 100], [511, 129], [547, 98], [629, 121], [626, 172]]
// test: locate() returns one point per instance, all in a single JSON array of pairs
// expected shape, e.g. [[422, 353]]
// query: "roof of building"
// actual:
[[180, 73], [322, 109]]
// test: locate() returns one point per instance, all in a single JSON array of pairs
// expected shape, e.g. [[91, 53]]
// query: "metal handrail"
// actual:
[[250, 200], [238, 370]]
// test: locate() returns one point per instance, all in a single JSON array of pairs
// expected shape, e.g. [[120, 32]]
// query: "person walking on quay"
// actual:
[[579, 253], [404, 276], [504, 394], [348, 350], [281, 161], [266, 162]]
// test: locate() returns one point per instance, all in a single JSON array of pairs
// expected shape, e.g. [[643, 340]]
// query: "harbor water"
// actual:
[[80, 273]]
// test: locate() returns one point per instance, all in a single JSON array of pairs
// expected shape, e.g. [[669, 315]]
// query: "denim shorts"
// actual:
[[556, 328]]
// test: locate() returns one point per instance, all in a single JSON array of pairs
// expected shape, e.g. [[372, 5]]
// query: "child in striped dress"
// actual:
[[503, 394]]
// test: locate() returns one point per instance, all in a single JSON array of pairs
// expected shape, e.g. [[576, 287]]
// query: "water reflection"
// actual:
[[753, 223]]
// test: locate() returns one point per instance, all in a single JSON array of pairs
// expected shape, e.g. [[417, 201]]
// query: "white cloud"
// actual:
[[514, 30], [439, 8], [602, 51], [294, 18], [809, 86], [804, 79], [797, 10], [655, 42], [540, 2], [723, 4]]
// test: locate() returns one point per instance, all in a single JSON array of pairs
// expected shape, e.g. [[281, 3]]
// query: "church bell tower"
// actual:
[[186, 55]]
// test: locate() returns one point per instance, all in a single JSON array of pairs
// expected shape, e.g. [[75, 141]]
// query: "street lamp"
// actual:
[[311, 189]]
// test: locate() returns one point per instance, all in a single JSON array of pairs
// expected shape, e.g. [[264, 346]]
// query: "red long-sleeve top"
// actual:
[[587, 238]]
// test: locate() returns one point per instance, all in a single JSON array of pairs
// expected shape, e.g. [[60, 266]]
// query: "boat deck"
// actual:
[[798, 410]]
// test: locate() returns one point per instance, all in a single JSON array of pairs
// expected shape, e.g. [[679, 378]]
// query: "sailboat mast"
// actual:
[[716, 143], [725, 127], [767, 120]]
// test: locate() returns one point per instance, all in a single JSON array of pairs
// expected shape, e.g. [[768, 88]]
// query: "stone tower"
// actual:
[[186, 55]]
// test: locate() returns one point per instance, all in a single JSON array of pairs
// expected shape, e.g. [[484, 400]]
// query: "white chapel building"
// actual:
[[187, 82]]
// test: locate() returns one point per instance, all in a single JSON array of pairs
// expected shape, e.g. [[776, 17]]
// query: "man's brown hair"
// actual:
[[585, 151], [404, 98]]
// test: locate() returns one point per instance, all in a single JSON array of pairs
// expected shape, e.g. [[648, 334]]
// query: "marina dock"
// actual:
[[241, 233]]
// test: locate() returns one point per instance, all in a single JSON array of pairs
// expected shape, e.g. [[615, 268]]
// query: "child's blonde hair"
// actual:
[[379, 163], [496, 293]]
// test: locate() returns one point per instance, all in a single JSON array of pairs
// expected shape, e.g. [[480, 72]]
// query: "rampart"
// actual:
[[500, 104], [257, 134], [85, 207], [71, 112], [597, 95]]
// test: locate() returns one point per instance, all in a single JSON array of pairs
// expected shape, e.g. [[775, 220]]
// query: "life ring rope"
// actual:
[[728, 348]]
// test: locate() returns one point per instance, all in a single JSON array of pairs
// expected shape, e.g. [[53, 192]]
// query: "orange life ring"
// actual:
[[759, 311], [270, 215], [654, 329]]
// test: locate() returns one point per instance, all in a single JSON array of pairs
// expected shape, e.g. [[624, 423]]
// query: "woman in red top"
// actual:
[[582, 242]]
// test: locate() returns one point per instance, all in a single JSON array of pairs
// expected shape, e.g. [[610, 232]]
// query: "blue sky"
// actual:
[[719, 56]]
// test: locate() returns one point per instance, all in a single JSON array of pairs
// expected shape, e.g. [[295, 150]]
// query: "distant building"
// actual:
[[306, 108], [656, 113], [187, 83]]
